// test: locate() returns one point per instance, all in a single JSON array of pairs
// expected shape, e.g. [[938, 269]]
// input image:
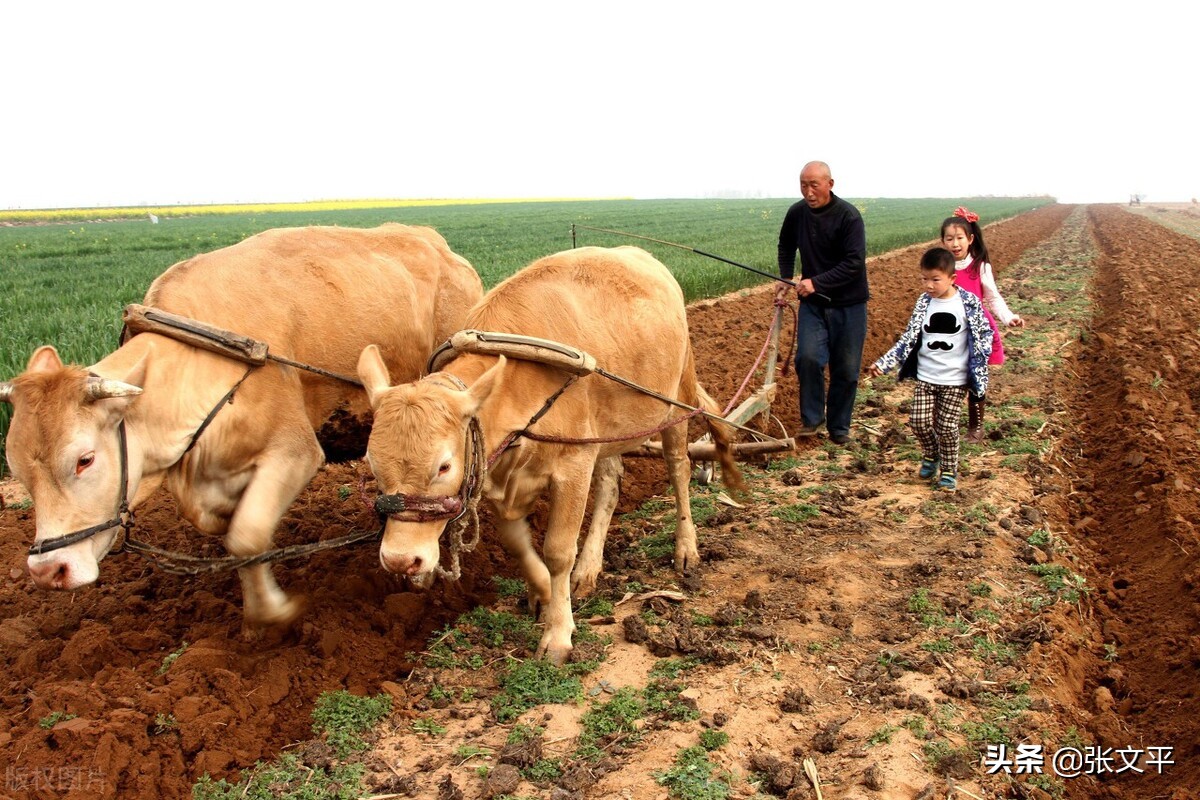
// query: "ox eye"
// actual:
[[85, 461], [444, 468]]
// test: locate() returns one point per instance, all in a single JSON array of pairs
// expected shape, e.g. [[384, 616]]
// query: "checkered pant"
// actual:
[[935, 421]]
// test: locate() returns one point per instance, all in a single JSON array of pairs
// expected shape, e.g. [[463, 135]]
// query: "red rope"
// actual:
[[780, 304]]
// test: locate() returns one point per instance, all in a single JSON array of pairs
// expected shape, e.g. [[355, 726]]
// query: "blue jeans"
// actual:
[[830, 337]]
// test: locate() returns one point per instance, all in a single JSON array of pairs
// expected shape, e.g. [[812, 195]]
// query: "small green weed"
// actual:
[[662, 697], [618, 715], [1061, 581], [342, 717], [344, 492], [673, 667], [508, 587], [467, 752], [53, 718], [985, 615], [658, 546], [499, 628], [428, 726], [526, 684], [523, 734], [691, 777], [1072, 738], [711, 739], [882, 736], [163, 723], [979, 589], [797, 513], [919, 602], [171, 658], [286, 779], [595, 606], [994, 652], [783, 464], [939, 645], [546, 769]]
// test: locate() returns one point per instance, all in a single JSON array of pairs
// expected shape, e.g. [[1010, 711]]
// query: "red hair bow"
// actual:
[[969, 216]]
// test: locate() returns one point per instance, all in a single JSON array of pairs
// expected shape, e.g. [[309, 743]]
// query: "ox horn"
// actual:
[[6, 390], [103, 388]]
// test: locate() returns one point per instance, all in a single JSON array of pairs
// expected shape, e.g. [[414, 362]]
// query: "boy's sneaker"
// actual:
[[947, 483], [929, 468]]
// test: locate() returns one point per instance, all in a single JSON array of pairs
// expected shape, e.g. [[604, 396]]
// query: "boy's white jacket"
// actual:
[[979, 343]]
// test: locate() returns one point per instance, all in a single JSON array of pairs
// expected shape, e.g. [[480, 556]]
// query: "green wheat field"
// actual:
[[64, 280]]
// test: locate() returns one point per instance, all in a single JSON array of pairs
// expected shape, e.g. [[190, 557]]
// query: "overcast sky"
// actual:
[[120, 103]]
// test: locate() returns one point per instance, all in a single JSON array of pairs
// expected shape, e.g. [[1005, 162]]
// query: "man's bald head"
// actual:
[[816, 184]]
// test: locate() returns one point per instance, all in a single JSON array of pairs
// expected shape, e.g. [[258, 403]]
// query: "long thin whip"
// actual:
[[695, 250]]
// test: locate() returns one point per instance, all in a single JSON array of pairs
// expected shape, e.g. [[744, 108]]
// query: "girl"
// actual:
[[962, 237], [945, 347]]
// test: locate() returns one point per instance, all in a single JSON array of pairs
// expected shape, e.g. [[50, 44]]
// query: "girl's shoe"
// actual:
[[929, 468], [947, 483]]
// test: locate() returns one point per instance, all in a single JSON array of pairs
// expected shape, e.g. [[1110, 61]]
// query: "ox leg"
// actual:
[[606, 489], [276, 483], [568, 500], [687, 555], [518, 543]]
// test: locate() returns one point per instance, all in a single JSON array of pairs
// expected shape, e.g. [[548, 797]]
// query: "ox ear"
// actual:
[[44, 359], [373, 373], [481, 389]]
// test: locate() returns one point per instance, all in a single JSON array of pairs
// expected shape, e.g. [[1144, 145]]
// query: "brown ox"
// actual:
[[316, 296], [619, 305]]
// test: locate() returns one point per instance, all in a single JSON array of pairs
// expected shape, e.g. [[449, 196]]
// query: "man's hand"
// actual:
[[874, 371], [805, 287], [781, 290]]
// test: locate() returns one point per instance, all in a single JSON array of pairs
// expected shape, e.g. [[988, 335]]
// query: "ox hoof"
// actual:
[[686, 560], [583, 585], [535, 607], [555, 654], [280, 616]]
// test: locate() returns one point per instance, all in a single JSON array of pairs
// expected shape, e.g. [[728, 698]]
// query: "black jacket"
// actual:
[[833, 251]]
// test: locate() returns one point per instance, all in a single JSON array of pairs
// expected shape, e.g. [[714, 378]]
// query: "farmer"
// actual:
[[831, 324]]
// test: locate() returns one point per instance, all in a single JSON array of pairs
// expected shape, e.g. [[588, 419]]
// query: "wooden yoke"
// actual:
[[512, 345], [144, 319]]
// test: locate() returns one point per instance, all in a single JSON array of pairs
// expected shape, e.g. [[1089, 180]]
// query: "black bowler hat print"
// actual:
[[941, 322]]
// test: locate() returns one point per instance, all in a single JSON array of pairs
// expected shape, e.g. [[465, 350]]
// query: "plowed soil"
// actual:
[[888, 609]]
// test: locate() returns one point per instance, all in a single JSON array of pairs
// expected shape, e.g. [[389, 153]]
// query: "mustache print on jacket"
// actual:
[[939, 346]]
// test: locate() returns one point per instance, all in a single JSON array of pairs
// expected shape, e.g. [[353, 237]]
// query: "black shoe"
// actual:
[[840, 438]]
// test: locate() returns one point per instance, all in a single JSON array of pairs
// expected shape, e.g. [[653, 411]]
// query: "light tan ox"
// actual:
[[619, 305], [314, 295]]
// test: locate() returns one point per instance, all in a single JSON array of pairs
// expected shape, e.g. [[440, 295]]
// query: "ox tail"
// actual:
[[722, 433]]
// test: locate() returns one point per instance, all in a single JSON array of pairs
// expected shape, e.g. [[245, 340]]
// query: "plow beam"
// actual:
[[707, 451]]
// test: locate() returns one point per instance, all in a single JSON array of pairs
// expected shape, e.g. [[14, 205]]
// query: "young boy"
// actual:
[[945, 347]]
